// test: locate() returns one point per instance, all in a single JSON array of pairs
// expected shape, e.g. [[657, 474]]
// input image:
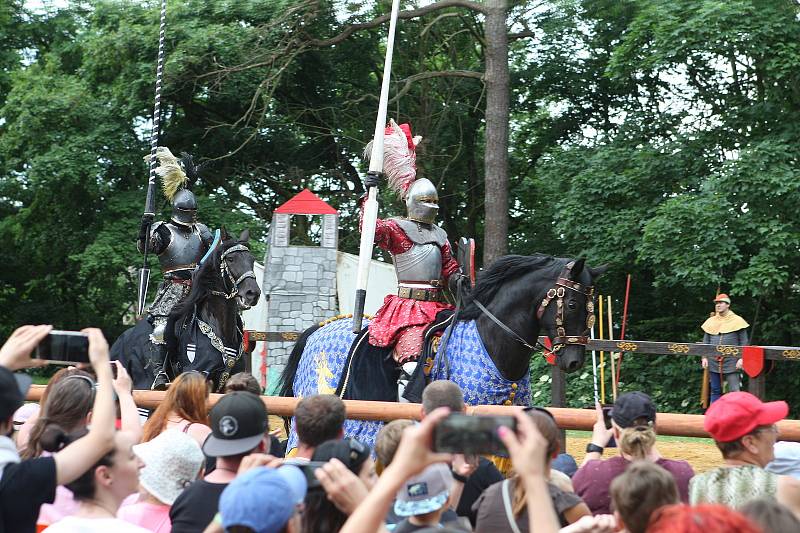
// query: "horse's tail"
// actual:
[[286, 383]]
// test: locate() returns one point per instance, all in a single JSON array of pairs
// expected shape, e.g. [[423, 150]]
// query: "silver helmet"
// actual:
[[184, 208], [422, 201]]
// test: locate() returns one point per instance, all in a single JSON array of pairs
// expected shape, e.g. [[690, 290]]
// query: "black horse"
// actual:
[[204, 332], [487, 348]]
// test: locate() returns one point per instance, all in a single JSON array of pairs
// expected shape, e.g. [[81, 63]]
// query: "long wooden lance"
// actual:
[[370, 217], [150, 200]]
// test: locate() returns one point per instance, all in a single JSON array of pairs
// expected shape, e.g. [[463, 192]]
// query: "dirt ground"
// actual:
[[702, 454]]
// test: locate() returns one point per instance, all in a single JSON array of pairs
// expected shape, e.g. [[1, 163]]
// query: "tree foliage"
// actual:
[[657, 136]]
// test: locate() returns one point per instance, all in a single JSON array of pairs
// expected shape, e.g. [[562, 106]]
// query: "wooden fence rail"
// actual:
[[672, 424]]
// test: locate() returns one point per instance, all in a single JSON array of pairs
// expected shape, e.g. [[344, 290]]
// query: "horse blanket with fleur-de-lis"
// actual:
[[323, 366], [470, 367]]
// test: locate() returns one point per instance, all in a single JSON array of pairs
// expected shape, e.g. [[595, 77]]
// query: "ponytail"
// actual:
[[637, 441]]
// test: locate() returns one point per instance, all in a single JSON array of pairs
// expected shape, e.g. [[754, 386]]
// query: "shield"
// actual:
[[753, 360], [466, 258]]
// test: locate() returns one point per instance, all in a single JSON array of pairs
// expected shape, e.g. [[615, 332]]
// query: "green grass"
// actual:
[[587, 434]]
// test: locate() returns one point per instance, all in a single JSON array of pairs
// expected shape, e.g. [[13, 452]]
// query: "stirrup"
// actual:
[[161, 382]]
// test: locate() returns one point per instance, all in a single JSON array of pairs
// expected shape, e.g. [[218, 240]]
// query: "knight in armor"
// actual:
[[179, 243], [421, 253]]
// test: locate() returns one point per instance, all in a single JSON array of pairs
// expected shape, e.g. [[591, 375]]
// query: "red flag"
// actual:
[[753, 360], [548, 355]]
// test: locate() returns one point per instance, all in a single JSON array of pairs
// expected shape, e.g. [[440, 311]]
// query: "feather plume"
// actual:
[[399, 157], [192, 170], [173, 178]]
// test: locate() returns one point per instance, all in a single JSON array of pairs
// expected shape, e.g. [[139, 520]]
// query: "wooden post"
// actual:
[[758, 385], [558, 398]]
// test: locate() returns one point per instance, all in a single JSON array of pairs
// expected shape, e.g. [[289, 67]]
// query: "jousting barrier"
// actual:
[[672, 424]]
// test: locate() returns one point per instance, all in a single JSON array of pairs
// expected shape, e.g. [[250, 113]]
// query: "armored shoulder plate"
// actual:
[[422, 233], [184, 250], [205, 233]]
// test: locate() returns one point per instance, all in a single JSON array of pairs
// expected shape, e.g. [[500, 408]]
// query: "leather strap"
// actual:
[[512, 523], [503, 326]]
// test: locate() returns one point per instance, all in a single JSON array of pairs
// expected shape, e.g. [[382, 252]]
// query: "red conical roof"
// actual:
[[306, 203]]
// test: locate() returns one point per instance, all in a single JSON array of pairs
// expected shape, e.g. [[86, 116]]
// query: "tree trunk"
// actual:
[[495, 235]]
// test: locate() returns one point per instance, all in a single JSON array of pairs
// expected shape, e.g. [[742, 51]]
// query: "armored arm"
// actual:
[[159, 238], [205, 235]]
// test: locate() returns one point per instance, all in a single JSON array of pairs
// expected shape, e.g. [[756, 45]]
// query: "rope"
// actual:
[[159, 81]]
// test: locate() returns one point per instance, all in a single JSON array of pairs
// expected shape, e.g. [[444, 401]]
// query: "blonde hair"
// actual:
[[637, 440], [387, 441]]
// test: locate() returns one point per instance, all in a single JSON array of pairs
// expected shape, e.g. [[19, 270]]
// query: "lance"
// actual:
[[150, 200], [376, 168]]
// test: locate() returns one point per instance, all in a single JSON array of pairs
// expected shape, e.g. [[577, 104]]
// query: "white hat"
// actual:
[[172, 460]]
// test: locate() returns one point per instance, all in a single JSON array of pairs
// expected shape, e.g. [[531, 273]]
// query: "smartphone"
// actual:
[[307, 467], [459, 433], [607, 419], [64, 348]]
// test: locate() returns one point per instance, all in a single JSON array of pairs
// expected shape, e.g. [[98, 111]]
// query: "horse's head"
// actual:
[[236, 264], [566, 313]]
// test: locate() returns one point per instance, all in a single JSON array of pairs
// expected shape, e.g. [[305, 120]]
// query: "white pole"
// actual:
[[375, 166]]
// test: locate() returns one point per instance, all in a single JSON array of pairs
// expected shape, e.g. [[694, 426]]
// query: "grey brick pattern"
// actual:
[[301, 284]]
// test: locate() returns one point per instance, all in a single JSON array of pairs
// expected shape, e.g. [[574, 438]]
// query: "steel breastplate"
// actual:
[[423, 262], [184, 251], [422, 233]]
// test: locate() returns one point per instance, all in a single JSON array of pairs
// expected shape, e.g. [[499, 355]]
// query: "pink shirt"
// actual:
[[150, 516]]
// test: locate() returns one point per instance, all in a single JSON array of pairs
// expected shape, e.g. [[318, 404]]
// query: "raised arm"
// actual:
[[413, 455], [78, 457], [129, 414]]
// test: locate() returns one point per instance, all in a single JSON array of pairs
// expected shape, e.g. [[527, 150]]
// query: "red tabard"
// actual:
[[397, 313]]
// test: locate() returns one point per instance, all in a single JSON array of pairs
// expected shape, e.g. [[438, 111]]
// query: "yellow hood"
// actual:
[[717, 324]]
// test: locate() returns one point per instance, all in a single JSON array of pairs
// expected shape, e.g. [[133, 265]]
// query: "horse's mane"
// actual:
[[503, 270]]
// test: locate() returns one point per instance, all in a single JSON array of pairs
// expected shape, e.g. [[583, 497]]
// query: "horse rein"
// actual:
[[226, 273], [563, 283]]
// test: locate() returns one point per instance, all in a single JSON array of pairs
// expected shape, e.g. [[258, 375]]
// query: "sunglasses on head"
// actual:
[[539, 410]]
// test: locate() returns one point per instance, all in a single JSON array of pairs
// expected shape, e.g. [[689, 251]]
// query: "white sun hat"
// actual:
[[172, 460]]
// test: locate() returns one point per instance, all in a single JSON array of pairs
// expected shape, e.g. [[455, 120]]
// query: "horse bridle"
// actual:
[[225, 273], [557, 293]]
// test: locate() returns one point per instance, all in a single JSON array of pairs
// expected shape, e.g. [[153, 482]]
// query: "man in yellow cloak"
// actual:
[[724, 327]]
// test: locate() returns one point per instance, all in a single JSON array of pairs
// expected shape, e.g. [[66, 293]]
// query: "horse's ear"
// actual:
[[224, 234], [245, 236], [596, 272], [577, 269]]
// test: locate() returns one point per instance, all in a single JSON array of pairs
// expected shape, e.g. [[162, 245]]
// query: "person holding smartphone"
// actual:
[[633, 420], [26, 485]]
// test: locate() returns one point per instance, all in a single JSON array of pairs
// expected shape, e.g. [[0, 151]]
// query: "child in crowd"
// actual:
[[642, 489], [172, 461]]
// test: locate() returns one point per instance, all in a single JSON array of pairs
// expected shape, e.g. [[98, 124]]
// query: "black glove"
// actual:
[[373, 179], [147, 221]]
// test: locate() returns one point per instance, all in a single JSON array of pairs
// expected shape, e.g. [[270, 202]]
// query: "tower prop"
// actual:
[[376, 168], [150, 200]]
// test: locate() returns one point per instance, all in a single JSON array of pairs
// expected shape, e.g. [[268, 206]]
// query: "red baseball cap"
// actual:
[[736, 414]]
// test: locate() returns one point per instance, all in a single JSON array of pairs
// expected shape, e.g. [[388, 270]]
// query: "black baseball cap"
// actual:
[[632, 406], [13, 389], [238, 423]]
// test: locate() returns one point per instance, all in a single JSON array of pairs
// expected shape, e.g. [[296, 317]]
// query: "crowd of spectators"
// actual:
[[85, 462]]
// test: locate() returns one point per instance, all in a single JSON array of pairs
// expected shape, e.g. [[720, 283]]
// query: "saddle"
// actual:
[[371, 373]]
